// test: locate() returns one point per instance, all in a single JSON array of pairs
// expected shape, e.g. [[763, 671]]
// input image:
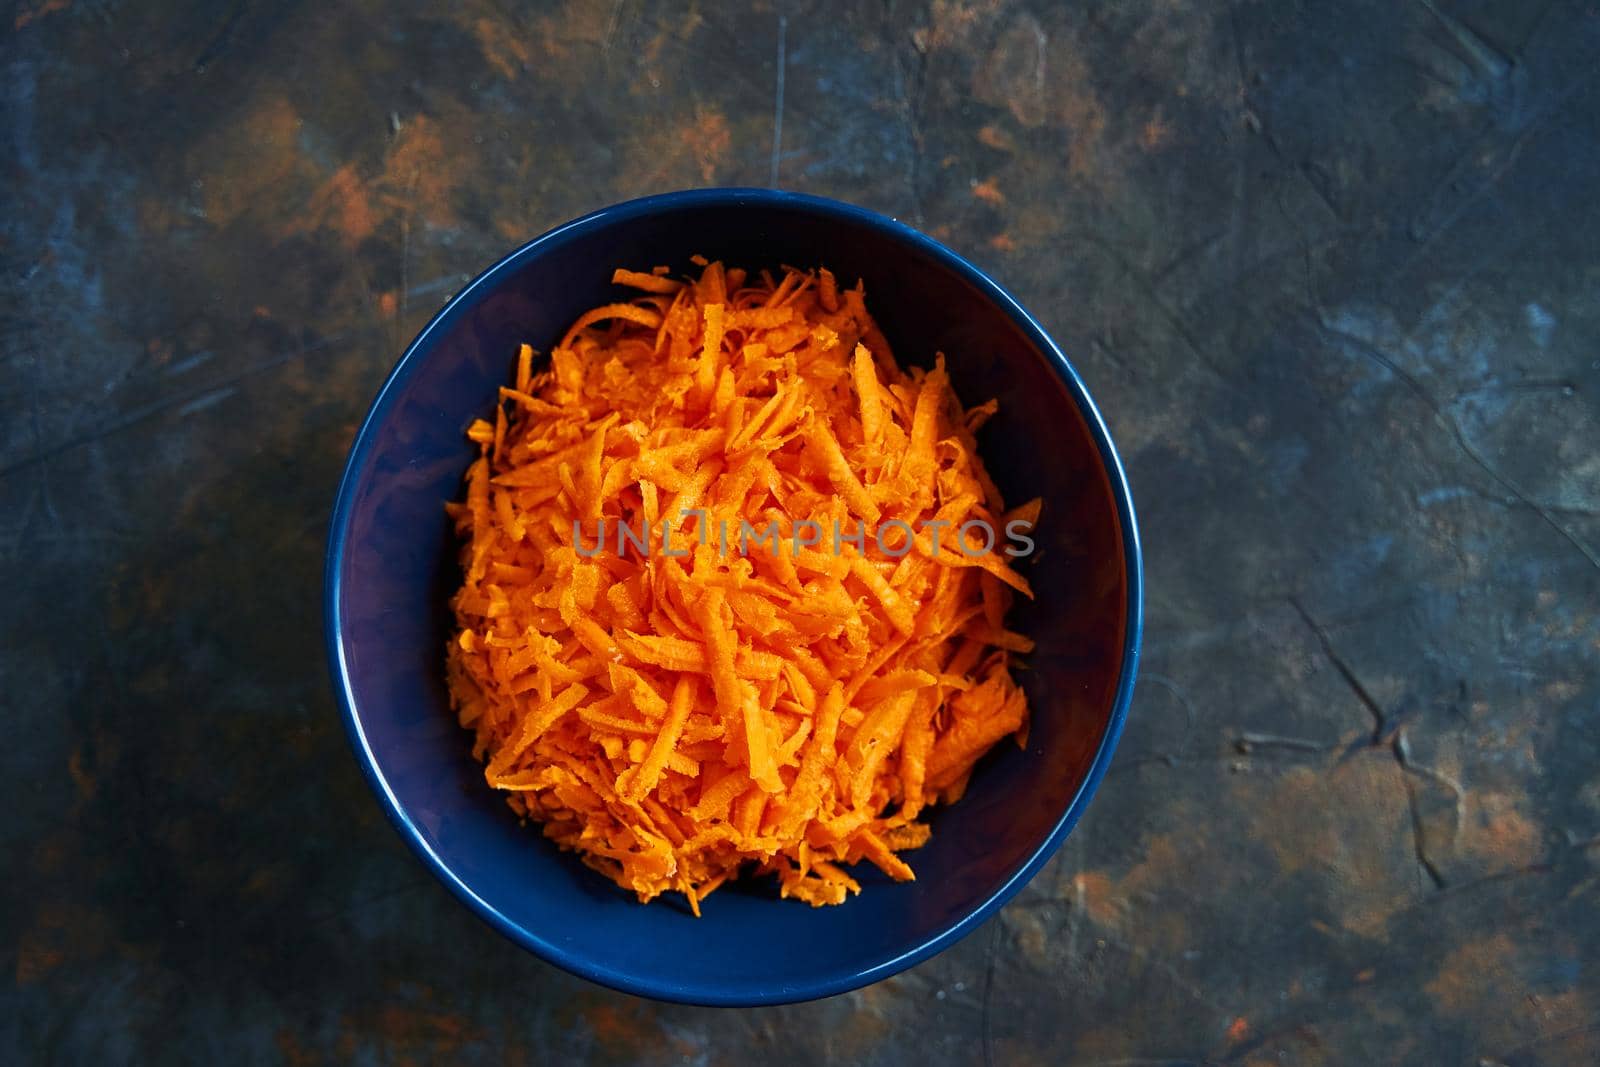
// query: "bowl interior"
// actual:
[[393, 566]]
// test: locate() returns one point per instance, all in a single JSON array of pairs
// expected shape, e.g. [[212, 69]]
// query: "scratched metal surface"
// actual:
[[1332, 274]]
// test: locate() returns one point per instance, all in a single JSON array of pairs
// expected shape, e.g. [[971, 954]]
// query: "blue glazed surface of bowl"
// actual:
[[392, 566]]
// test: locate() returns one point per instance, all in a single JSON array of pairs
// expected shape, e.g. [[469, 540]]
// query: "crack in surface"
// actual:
[[1444, 418], [911, 90], [1419, 834], [1397, 744], [986, 1028], [156, 407], [777, 100], [1378, 718], [1402, 752], [1249, 742]]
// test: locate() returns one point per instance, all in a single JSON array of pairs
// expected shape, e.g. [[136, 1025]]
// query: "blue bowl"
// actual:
[[391, 567]]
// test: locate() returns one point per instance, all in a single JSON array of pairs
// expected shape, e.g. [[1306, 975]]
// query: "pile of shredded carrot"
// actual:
[[682, 709]]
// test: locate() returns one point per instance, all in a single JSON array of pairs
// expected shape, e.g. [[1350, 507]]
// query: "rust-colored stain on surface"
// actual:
[[342, 205], [504, 46], [989, 192], [1155, 133], [28, 13]]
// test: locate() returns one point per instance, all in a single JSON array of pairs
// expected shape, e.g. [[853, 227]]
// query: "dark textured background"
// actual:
[[1331, 270]]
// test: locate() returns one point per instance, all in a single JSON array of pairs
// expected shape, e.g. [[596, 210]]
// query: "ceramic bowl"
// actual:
[[392, 565]]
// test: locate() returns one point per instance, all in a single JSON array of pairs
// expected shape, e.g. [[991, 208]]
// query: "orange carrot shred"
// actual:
[[648, 773], [649, 282]]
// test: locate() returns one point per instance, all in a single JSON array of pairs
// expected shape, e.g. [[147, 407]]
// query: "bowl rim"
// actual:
[[744, 994]]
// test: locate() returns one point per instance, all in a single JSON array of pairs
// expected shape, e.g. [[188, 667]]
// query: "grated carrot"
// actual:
[[730, 686]]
